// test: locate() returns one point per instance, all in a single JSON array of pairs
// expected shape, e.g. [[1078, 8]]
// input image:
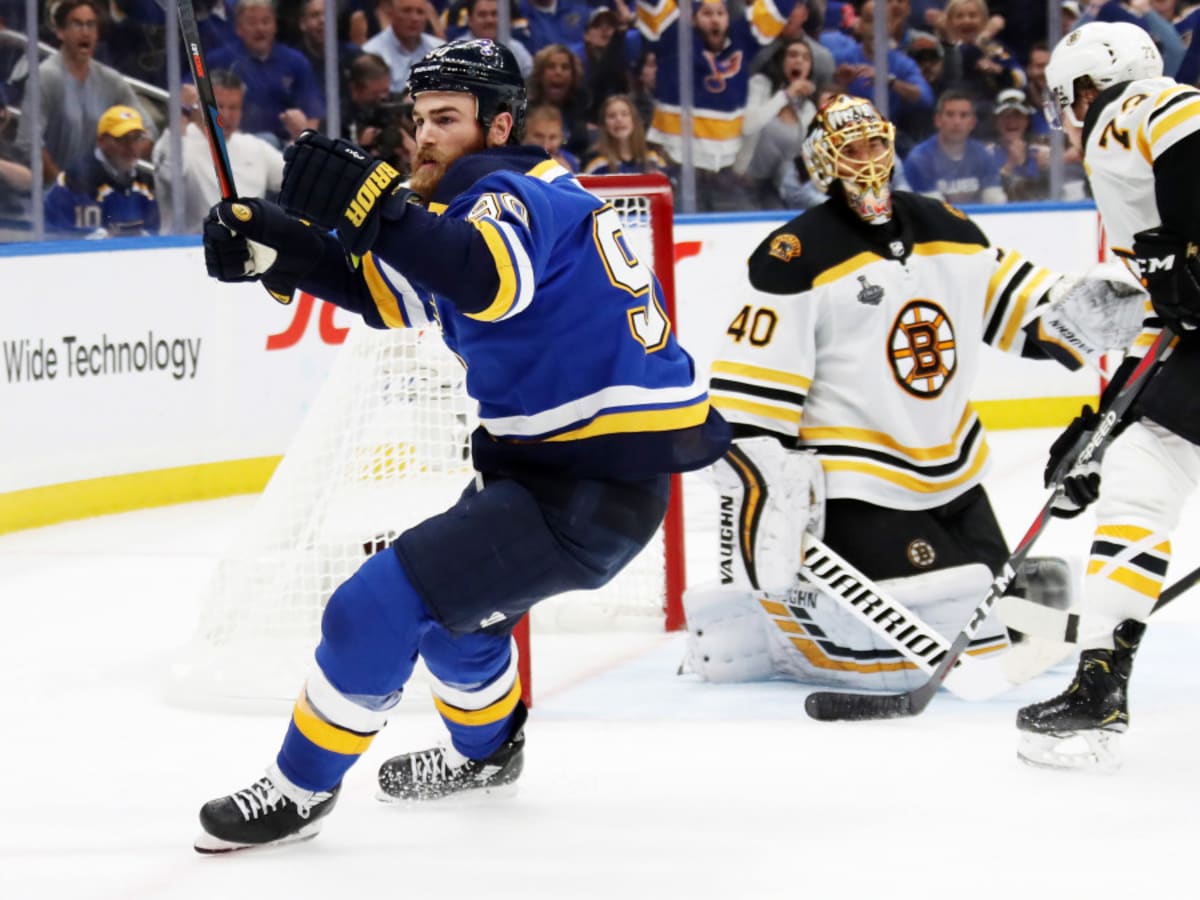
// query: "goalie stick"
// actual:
[[262, 255], [892, 621], [828, 706]]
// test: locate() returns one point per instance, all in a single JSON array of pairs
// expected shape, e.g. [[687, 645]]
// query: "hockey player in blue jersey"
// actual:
[[586, 402]]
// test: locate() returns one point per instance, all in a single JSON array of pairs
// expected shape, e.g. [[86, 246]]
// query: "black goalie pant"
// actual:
[[894, 543]]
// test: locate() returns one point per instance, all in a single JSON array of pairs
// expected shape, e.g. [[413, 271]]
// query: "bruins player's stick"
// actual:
[[213, 129], [830, 706], [1066, 627]]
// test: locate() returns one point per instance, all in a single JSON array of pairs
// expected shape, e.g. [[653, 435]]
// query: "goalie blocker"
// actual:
[[763, 618]]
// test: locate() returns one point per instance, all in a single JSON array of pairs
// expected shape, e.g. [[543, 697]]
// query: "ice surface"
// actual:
[[639, 783]]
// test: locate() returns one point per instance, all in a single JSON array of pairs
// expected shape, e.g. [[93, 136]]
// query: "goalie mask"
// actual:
[[849, 142], [1104, 53]]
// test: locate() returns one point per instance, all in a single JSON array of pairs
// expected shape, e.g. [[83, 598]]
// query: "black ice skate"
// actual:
[[1094, 708], [261, 815], [443, 772]]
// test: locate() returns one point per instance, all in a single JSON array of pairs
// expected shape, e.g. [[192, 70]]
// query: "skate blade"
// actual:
[[1083, 751], [467, 798], [209, 844]]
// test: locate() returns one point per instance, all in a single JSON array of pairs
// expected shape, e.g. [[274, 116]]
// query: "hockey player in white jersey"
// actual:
[[1139, 133], [846, 371]]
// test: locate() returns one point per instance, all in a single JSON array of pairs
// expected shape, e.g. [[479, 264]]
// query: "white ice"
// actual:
[[639, 783]]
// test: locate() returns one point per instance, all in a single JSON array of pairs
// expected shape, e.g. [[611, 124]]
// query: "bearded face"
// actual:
[[446, 129]]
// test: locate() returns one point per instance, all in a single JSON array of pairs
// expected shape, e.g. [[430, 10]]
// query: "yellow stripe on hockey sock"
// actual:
[[326, 735], [1148, 587], [486, 716], [1130, 533]]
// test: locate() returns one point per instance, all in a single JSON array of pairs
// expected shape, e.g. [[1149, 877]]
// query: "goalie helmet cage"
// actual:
[[385, 444]]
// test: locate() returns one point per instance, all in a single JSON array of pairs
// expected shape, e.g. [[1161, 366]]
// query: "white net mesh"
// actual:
[[385, 444]]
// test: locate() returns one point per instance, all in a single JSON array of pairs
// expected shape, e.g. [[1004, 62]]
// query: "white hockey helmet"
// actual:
[[1107, 53]]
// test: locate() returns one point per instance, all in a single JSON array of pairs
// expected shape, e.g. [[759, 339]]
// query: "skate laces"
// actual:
[[260, 798], [437, 764]]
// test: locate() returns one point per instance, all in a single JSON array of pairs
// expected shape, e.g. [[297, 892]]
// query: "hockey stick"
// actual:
[[840, 705], [262, 255], [893, 622], [1065, 627]]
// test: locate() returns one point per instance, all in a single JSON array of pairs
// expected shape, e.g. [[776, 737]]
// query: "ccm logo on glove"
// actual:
[[374, 187]]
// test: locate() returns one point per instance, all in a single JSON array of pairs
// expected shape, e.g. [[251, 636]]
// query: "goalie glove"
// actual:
[[337, 185], [254, 240], [1169, 267], [1089, 316]]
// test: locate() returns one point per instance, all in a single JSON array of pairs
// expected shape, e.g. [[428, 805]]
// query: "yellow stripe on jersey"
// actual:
[[1016, 312], [639, 420], [1143, 143], [385, 300], [998, 278], [653, 21], [945, 451], [542, 168], [506, 294], [326, 735], [1181, 111], [905, 480], [937, 248], [766, 21], [760, 373], [707, 128], [493, 712], [789, 417], [841, 270]]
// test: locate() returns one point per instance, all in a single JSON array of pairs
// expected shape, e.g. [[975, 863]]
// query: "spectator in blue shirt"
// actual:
[[102, 194], [283, 97], [554, 22], [907, 89], [406, 40], [952, 165]]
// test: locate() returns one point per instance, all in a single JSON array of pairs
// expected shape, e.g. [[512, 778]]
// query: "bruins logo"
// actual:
[[922, 349], [921, 553], [785, 247]]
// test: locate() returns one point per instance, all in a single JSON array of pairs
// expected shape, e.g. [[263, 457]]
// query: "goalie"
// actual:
[[846, 370]]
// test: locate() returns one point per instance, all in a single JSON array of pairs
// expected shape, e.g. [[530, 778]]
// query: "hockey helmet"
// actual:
[[1105, 53], [849, 142], [481, 67]]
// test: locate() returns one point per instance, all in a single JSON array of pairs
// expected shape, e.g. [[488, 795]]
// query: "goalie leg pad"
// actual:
[[769, 497], [727, 637]]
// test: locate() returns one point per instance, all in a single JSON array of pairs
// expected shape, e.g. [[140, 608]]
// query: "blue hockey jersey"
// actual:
[[568, 349]]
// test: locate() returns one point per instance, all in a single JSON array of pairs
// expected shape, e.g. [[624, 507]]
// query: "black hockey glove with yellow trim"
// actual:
[[337, 185], [1081, 484], [1169, 267], [254, 240]]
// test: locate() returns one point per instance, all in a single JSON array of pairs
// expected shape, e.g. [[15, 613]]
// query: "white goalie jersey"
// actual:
[[866, 351]]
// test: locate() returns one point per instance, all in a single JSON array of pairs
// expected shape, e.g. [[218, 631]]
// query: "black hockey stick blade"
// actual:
[[828, 706]]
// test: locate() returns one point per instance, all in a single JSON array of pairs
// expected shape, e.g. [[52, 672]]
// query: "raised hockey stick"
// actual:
[[896, 624], [829, 706], [210, 116]]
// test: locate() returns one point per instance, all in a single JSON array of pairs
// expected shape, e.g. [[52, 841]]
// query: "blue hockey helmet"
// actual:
[[481, 67]]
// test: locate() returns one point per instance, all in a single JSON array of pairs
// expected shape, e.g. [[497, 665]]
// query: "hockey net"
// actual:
[[384, 445]]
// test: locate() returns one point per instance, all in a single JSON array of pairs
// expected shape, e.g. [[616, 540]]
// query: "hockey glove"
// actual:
[[252, 240], [337, 185], [1170, 269], [1081, 485]]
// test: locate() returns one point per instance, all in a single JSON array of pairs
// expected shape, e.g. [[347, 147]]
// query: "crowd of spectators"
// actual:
[[965, 87]]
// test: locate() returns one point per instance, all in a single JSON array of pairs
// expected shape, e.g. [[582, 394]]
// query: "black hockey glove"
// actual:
[[336, 184], [251, 240], [1081, 485], [1169, 267]]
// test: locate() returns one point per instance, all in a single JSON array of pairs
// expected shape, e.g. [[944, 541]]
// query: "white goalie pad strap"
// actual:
[[769, 498], [1092, 315], [469, 697], [363, 715], [727, 635]]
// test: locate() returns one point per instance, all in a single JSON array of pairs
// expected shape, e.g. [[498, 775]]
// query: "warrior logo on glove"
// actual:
[[381, 178]]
